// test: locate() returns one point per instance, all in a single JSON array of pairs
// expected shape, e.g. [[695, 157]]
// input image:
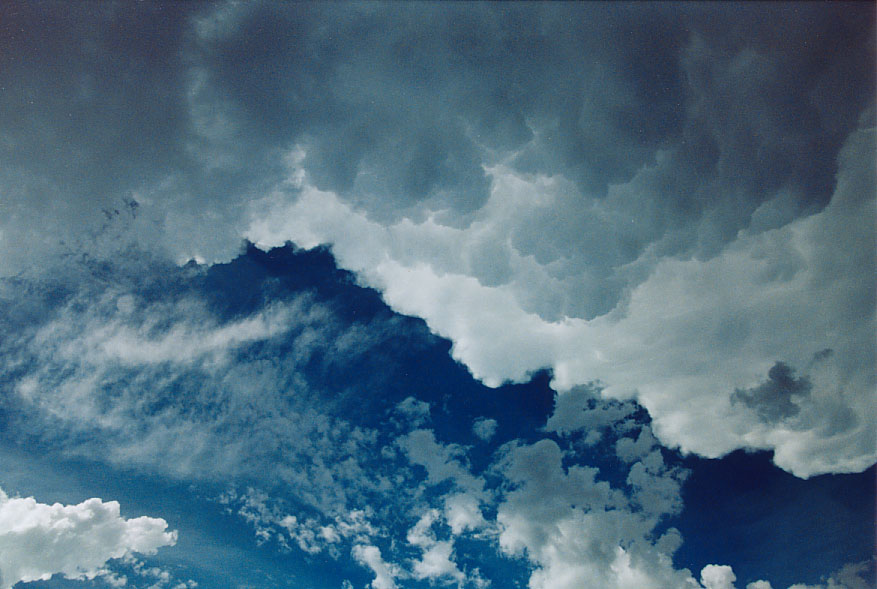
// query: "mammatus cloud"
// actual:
[[669, 226], [39, 540], [664, 205], [687, 337]]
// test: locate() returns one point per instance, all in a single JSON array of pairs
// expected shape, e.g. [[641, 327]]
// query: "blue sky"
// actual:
[[342, 295]]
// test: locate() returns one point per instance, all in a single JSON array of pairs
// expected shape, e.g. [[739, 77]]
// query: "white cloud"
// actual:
[[688, 334], [850, 576], [168, 385], [462, 512], [385, 573], [39, 540], [416, 412], [435, 561], [578, 531], [441, 461], [717, 577], [484, 428]]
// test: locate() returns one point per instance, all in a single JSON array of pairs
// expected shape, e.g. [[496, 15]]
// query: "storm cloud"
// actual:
[[660, 213]]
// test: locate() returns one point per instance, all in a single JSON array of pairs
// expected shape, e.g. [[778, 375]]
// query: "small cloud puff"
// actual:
[[484, 428]]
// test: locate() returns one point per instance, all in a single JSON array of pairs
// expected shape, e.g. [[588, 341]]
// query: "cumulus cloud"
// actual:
[[484, 428], [681, 218], [443, 462], [717, 577], [39, 540], [414, 411], [435, 561], [851, 576], [578, 531], [384, 572]]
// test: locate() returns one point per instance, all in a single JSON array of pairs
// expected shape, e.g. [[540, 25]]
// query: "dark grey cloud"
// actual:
[[774, 399], [700, 114]]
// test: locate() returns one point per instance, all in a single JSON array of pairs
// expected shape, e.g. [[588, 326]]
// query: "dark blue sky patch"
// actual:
[[771, 525]]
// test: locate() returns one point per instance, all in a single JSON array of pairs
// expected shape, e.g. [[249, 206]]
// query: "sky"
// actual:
[[469, 295]]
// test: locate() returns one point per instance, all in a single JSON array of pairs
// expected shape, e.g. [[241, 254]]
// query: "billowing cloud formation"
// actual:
[[39, 540], [689, 336], [670, 213]]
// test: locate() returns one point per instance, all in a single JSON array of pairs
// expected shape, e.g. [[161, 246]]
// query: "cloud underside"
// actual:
[[688, 340], [681, 212]]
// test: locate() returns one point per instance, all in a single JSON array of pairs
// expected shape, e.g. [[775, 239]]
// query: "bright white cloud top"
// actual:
[[684, 339], [39, 540]]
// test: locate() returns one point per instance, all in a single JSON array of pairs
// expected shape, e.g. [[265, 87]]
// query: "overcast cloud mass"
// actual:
[[413, 295]]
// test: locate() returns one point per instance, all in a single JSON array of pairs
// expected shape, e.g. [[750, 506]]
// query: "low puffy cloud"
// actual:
[[717, 577], [443, 462], [539, 504], [39, 540], [370, 556], [578, 531], [484, 428], [435, 562], [854, 575]]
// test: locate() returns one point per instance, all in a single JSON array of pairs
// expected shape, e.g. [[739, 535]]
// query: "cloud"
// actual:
[[370, 556], [435, 561], [442, 462], [578, 531], [717, 577], [689, 335], [539, 504], [462, 512], [484, 428], [680, 221], [772, 400], [39, 540], [667, 220], [416, 412], [149, 371], [857, 575]]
